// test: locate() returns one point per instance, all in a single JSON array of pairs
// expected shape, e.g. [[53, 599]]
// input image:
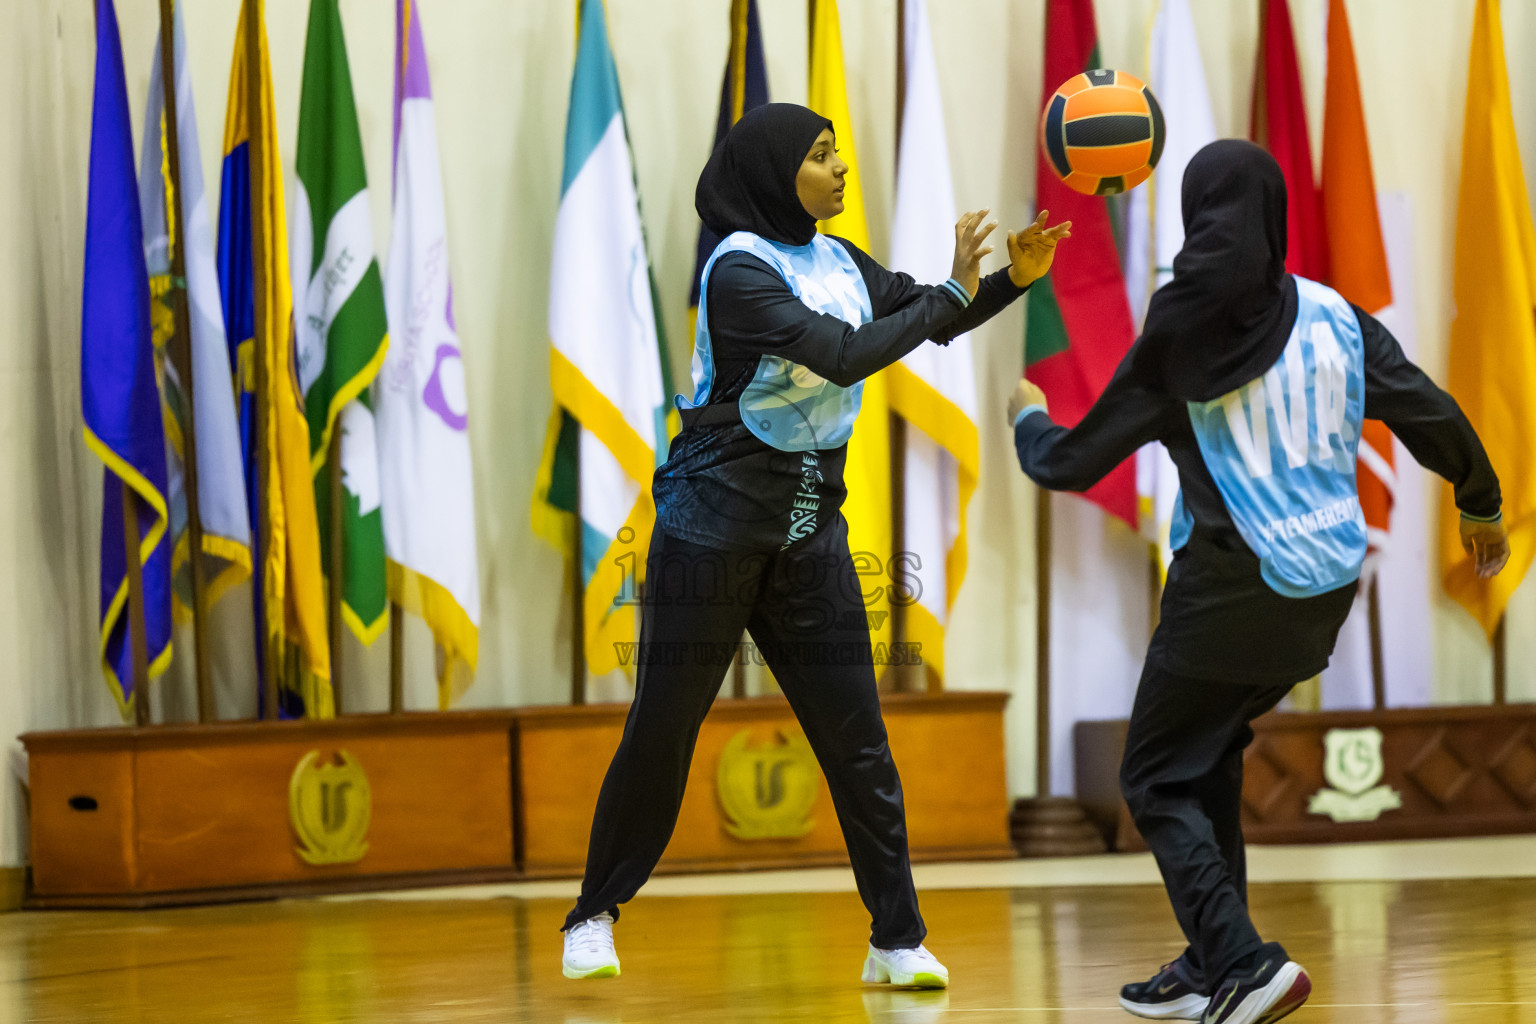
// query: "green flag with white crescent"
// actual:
[[341, 331]]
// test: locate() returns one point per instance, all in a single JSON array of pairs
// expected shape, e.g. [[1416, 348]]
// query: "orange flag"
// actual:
[[1356, 256]]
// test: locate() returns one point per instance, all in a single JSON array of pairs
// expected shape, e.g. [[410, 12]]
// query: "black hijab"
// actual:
[[749, 182], [1225, 317]]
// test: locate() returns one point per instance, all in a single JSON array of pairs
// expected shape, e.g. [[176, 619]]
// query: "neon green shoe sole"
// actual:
[[877, 973], [606, 971]]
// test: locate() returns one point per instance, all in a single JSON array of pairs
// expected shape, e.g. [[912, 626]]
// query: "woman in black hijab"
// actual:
[[749, 535], [1254, 598]]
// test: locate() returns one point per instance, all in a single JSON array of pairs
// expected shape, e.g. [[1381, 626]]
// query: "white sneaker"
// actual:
[[589, 949], [913, 968]]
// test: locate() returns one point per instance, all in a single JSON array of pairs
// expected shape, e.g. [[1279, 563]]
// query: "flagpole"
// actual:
[[578, 598], [335, 569], [257, 153], [1378, 660], [138, 634], [181, 354], [897, 427], [1042, 643], [396, 659], [1500, 669]]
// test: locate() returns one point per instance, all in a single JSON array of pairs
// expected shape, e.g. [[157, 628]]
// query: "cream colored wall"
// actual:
[[501, 74]]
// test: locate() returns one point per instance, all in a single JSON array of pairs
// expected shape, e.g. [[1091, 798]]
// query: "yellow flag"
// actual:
[[292, 588], [868, 469], [1493, 337]]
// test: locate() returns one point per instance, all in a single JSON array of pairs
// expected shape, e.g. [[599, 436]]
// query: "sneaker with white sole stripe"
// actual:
[[909, 968], [589, 949], [1270, 987]]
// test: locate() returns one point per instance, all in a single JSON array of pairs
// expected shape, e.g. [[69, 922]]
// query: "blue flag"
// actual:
[[119, 395]]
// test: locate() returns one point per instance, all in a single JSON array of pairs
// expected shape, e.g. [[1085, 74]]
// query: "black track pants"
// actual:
[[803, 609], [1182, 778]]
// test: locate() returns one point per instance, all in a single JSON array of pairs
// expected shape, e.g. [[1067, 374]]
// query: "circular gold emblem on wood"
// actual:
[[329, 806], [767, 792]]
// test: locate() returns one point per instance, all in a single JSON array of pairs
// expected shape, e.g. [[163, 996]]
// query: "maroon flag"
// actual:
[[1078, 323], [1280, 126]]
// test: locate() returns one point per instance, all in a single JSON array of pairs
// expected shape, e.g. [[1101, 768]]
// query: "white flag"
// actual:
[[1406, 600], [216, 430], [605, 357], [426, 477], [1178, 82], [933, 388]]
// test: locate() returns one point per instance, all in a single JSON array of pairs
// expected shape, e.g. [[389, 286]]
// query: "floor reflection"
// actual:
[[1394, 953]]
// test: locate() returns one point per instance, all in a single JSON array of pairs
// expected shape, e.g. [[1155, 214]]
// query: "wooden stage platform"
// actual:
[[1378, 952], [240, 810]]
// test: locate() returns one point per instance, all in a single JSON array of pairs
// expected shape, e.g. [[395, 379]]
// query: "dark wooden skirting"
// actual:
[[1459, 771], [250, 893]]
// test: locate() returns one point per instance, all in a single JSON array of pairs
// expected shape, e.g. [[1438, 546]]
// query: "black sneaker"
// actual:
[[1269, 986], [1168, 996]]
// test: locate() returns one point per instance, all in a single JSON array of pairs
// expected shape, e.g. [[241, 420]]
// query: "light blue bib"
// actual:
[[1282, 452], [786, 405]]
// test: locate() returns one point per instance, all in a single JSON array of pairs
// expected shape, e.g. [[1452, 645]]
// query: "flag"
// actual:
[[867, 470], [1280, 126], [606, 364], [1078, 322], [341, 330], [119, 396], [744, 88], [1357, 258], [426, 475], [258, 313], [226, 542], [1493, 337], [933, 389], [1178, 82], [1404, 625]]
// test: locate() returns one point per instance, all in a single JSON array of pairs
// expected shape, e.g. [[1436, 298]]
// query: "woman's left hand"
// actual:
[[1031, 251], [1025, 394]]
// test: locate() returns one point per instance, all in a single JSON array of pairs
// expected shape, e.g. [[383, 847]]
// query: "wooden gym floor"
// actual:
[[1450, 952]]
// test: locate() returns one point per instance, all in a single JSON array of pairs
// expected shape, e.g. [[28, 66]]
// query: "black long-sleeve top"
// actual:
[[1219, 620], [723, 487]]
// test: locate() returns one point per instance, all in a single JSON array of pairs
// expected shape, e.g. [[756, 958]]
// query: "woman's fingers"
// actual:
[[985, 230], [966, 229]]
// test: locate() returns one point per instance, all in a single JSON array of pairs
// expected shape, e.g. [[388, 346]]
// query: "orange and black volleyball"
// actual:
[[1102, 132]]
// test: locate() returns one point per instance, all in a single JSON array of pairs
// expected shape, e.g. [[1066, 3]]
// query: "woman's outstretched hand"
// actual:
[[1031, 251], [970, 232], [1025, 394]]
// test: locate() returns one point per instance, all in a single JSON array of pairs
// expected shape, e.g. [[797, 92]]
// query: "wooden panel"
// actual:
[[952, 772], [209, 806], [949, 749], [211, 815], [80, 851], [1460, 771]]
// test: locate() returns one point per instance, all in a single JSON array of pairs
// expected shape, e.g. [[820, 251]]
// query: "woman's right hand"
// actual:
[[970, 232]]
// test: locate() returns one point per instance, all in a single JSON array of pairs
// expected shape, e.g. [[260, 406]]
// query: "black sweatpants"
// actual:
[[1182, 778], [803, 609]]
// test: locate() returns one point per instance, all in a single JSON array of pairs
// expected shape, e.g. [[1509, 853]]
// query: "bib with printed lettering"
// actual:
[[787, 405], [1282, 452]]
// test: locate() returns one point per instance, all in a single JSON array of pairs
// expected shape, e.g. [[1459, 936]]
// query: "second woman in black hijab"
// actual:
[[749, 533], [1235, 635]]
